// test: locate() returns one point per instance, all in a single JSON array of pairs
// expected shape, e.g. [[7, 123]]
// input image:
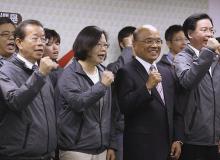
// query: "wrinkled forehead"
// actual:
[[31, 29]]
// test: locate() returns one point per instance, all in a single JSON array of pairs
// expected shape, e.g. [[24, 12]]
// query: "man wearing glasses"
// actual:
[[27, 120], [198, 71], [7, 44], [176, 41], [146, 98]]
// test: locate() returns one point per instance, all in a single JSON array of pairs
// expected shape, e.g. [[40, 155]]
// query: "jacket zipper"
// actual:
[[26, 135], [80, 130], [100, 115], [213, 111], [46, 121]]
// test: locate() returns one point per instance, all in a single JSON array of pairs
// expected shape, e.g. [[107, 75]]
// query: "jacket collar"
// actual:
[[27, 63], [165, 60], [144, 75], [15, 60], [78, 68]]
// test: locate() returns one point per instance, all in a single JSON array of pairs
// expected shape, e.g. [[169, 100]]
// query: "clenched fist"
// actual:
[[46, 65], [107, 78], [153, 79], [213, 44]]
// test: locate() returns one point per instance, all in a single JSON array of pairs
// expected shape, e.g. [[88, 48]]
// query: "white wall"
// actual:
[[68, 17], [214, 12]]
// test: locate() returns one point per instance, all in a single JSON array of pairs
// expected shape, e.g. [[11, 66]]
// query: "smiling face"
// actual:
[[32, 46], [147, 44], [98, 53], [7, 43], [203, 31]]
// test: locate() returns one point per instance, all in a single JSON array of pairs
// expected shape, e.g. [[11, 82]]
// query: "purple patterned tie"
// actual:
[[159, 85]]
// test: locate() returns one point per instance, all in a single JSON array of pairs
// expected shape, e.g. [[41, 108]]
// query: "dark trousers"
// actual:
[[197, 152], [119, 152]]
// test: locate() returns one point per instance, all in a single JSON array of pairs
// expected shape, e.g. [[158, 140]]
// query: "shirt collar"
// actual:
[[195, 50], [170, 57], [28, 64], [145, 64]]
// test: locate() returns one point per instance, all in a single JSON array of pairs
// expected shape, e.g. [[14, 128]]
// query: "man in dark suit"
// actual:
[[146, 97]]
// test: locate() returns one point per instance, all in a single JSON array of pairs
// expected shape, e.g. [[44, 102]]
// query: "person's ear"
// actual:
[[19, 43], [190, 32], [121, 45], [168, 43]]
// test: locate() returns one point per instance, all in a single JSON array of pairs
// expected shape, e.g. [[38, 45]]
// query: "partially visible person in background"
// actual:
[[218, 51], [52, 49], [7, 43], [176, 41], [84, 99], [218, 39], [125, 41], [7, 47]]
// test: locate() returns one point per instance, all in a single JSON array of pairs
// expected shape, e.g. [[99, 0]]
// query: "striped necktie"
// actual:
[[159, 86], [34, 67]]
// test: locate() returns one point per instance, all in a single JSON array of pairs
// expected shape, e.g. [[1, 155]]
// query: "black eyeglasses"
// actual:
[[7, 34]]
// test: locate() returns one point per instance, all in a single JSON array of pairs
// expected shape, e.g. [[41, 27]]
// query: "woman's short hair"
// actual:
[[86, 40]]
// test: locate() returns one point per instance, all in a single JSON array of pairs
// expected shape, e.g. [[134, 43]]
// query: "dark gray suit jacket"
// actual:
[[148, 122]]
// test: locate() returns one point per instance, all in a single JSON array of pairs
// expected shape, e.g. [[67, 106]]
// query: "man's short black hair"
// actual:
[[190, 23], [169, 33], [5, 20], [125, 32], [51, 34]]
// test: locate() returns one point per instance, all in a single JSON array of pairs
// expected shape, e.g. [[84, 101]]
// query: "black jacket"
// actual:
[[80, 103], [27, 122], [125, 57], [149, 123]]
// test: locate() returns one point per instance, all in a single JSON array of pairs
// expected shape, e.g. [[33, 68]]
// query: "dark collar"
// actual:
[[19, 63]]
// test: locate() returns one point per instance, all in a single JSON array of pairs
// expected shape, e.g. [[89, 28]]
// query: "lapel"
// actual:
[[140, 70], [214, 63], [163, 74], [190, 51], [144, 75]]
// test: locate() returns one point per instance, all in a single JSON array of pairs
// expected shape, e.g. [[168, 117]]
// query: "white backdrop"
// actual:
[[214, 12], [68, 17]]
